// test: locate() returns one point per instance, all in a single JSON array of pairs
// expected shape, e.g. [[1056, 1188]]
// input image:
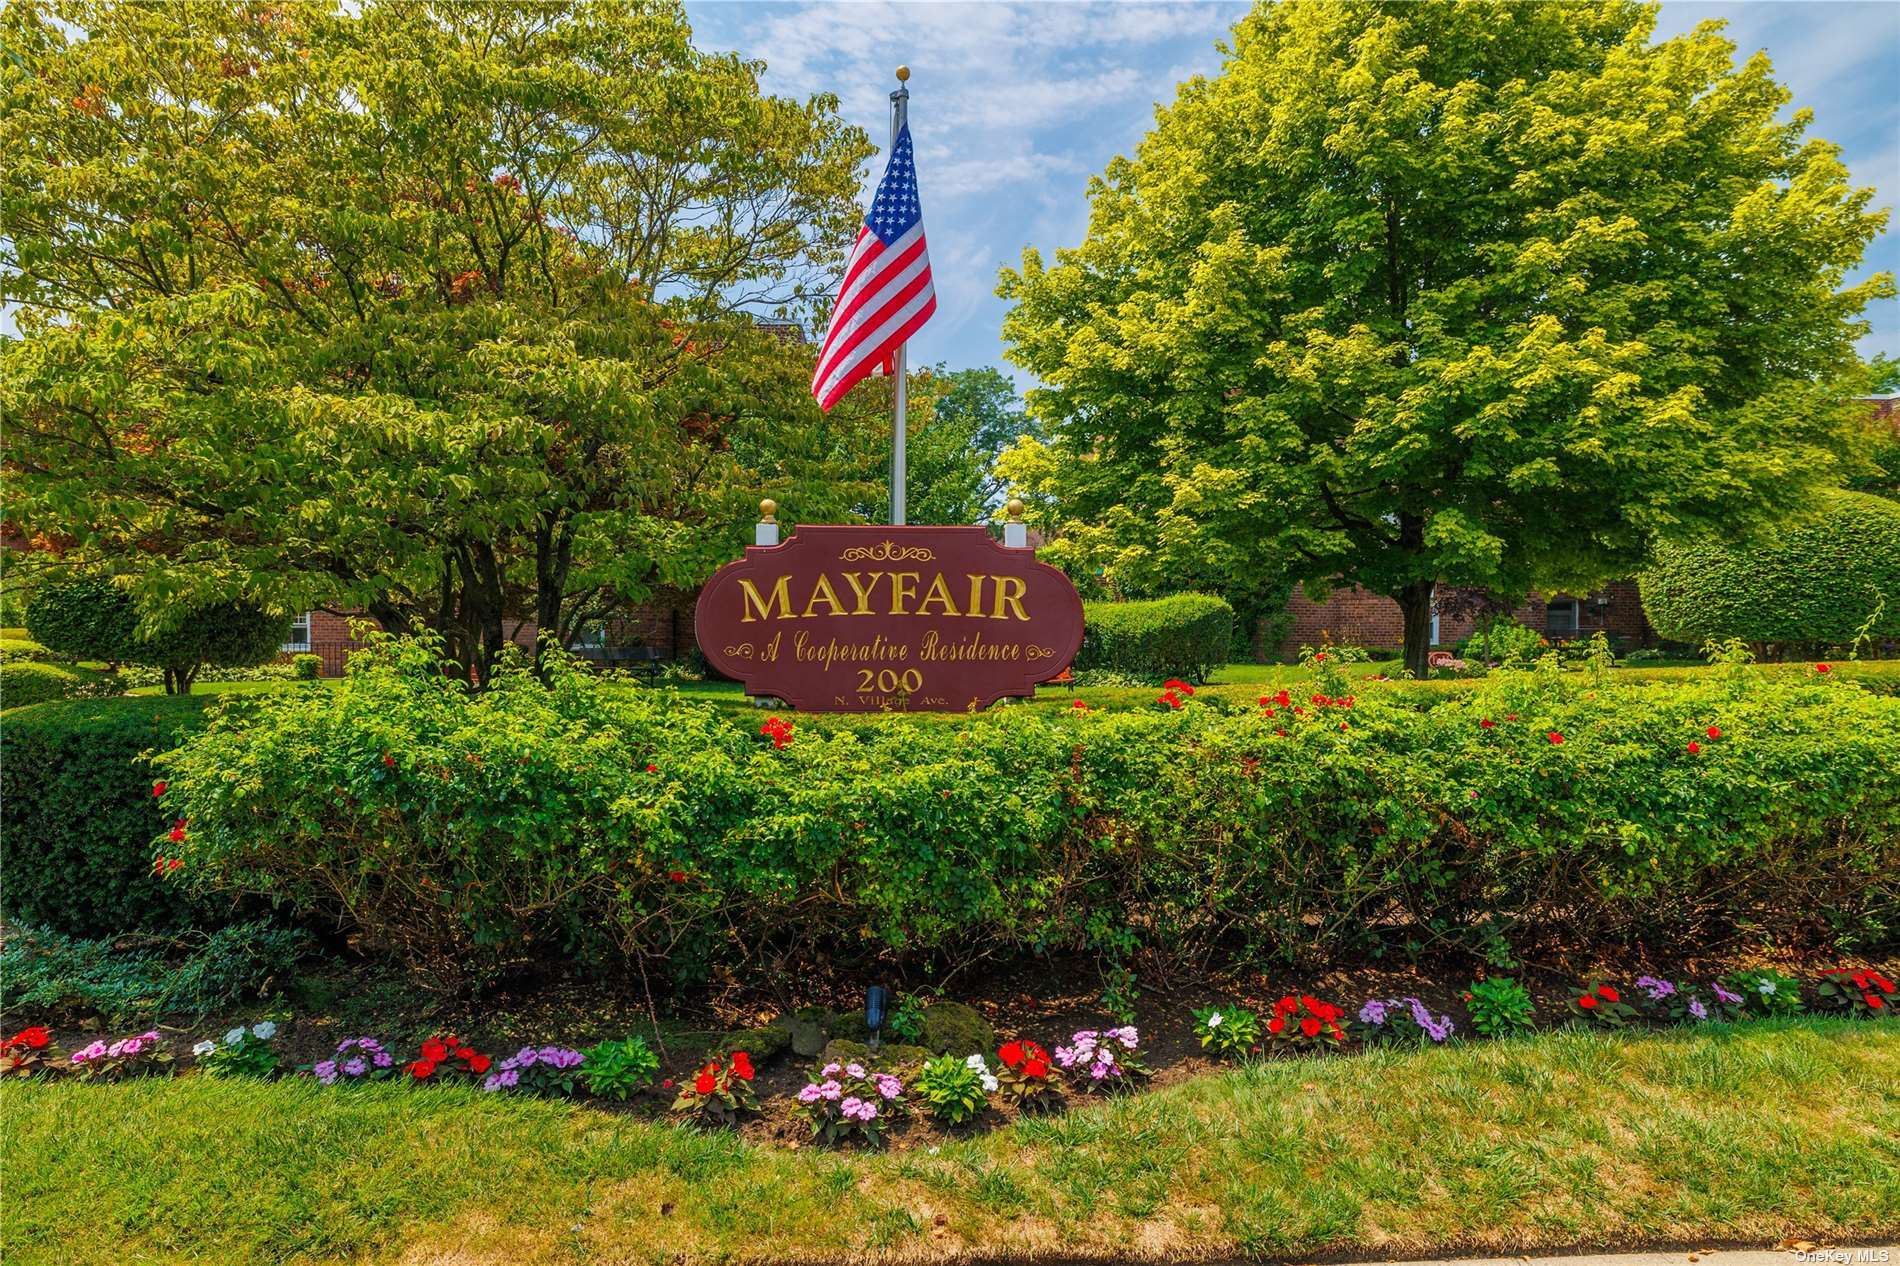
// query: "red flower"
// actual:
[[1281, 733], [1608, 994], [1586, 1002], [1555, 738], [1276, 1025], [742, 1066], [435, 1050], [421, 1070], [1286, 1006], [1079, 706], [1510, 716], [1694, 747], [677, 876], [176, 835], [174, 863], [1309, 1026], [1036, 1068], [1320, 658], [389, 762], [1170, 698], [1874, 1000], [1487, 724], [667, 1084], [34, 1036], [1173, 683], [1822, 668], [1284, 699], [158, 788], [704, 1083], [1011, 1053], [1321, 700], [1715, 731], [653, 769]]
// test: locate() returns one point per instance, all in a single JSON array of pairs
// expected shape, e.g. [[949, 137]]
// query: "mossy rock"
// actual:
[[890, 1057], [762, 1044], [951, 1028], [808, 1035]]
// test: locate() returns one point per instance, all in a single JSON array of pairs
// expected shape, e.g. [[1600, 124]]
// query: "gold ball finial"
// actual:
[[1015, 509], [768, 508], [903, 74]]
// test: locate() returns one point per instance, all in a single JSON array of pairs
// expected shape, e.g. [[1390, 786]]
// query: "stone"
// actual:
[[762, 1044], [951, 1028], [892, 1058], [808, 1035]]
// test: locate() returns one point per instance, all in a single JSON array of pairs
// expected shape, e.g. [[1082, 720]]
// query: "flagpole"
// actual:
[[900, 109]]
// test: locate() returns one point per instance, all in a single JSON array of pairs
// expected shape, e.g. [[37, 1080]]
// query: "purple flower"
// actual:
[[325, 1071], [505, 1078], [1656, 989], [1725, 995], [812, 1093], [1437, 1030], [356, 1067], [525, 1057], [830, 1090], [1373, 1012], [1697, 1010]]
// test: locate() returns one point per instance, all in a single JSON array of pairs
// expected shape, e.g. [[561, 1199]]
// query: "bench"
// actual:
[[647, 658]]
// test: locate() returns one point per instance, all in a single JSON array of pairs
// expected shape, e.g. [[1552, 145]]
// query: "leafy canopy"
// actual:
[[444, 311], [1484, 294]]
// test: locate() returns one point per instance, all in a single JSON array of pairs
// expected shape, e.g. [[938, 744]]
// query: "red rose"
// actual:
[[1036, 1068], [1608, 994], [478, 1063], [1309, 1026], [677, 876], [1694, 747], [158, 788], [1011, 1053], [1276, 1025], [421, 1069], [1555, 738], [435, 1050], [1586, 1002], [704, 1083], [742, 1066], [1715, 731], [1487, 724]]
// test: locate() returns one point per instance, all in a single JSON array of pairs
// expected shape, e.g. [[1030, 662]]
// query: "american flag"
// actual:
[[887, 294]]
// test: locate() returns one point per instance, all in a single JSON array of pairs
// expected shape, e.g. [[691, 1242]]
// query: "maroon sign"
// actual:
[[862, 619]]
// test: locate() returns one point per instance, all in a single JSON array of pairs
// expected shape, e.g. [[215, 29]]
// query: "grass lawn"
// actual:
[[1747, 1133]]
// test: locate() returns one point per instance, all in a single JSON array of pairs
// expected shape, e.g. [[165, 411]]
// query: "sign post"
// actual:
[[900, 116]]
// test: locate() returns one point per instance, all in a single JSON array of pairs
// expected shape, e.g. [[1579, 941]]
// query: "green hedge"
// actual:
[[1186, 635], [24, 682], [79, 819], [1810, 587], [466, 831]]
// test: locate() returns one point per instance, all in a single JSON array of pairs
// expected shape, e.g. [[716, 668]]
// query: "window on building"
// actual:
[[1560, 617], [299, 633]]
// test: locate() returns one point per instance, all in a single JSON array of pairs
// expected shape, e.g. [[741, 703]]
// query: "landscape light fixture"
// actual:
[[876, 998]]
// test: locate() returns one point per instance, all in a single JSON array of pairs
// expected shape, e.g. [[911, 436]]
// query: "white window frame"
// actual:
[[295, 645], [1575, 606]]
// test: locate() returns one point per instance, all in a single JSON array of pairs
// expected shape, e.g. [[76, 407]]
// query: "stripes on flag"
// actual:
[[887, 293]]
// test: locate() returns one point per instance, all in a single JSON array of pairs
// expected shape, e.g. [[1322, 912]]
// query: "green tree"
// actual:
[[1487, 294], [962, 420], [91, 618], [443, 311]]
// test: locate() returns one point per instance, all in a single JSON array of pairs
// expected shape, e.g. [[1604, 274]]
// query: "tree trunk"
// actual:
[[1415, 602]]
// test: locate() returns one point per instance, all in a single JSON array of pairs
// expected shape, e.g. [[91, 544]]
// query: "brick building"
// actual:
[[1360, 618]]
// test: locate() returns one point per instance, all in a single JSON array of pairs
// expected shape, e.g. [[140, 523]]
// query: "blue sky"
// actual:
[[1015, 105]]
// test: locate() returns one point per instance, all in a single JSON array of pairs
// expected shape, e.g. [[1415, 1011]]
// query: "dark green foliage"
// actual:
[[1186, 635], [87, 618], [465, 830], [139, 978], [91, 618], [79, 818], [1808, 586]]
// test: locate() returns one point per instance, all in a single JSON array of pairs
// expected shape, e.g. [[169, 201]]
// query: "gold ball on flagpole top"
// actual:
[[768, 508], [903, 74], [1015, 509]]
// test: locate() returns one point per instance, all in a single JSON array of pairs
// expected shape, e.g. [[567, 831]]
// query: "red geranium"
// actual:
[[435, 1050], [1310, 1026], [677, 876], [1011, 1053], [1035, 1068], [1277, 1024], [1079, 706], [653, 769], [1284, 699], [34, 1037], [1823, 668], [1175, 683], [1487, 724], [478, 1064], [1170, 698], [1608, 994]]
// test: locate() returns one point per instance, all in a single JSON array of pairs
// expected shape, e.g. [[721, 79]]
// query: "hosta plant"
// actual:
[[356, 1059], [1499, 1006], [446, 1057], [29, 1052], [1602, 1005], [616, 1070], [1108, 1058], [1304, 1021], [849, 1100], [719, 1092], [1860, 992], [1766, 992], [142, 1055], [243, 1052], [1401, 1021], [1230, 1032], [955, 1090], [538, 1070], [1028, 1079]]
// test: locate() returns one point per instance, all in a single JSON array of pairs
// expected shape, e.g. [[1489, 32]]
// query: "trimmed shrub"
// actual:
[[24, 682], [307, 667], [78, 820], [1809, 587], [13, 645], [1186, 635], [465, 831], [93, 619]]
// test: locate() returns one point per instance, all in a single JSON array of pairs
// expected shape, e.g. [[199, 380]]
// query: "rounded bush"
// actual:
[[1185, 635], [88, 618], [80, 820], [1810, 585], [91, 618]]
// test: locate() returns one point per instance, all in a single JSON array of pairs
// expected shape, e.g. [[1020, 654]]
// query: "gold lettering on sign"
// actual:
[[1009, 593], [887, 552], [1004, 596], [864, 594], [781, 598], [823, 592], [939, 594]]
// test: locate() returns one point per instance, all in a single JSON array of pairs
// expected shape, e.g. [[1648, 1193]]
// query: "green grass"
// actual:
[[1746, 1134]]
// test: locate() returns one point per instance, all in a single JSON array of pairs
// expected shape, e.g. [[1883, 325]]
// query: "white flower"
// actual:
[[265, 1029], [1766, 986], [1213, 1020], [976, 1062], [990, 1083], [234, 1036], [204, 1048]]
